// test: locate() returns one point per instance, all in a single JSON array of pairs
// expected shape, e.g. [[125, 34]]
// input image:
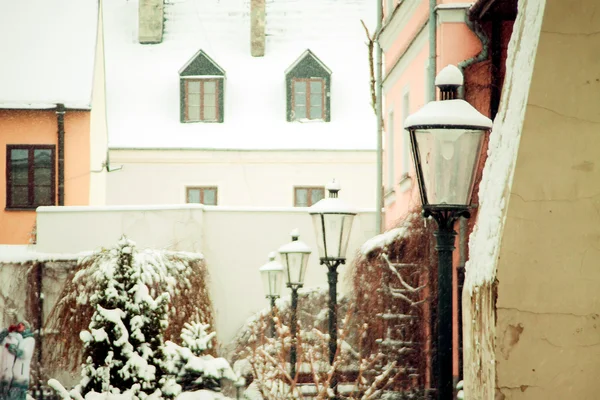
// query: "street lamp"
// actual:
[[272, 274], [332, 220], [446, 137], [294, 256]]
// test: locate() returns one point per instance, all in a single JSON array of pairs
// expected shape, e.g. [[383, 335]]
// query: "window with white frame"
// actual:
[[206, 195], [405, 135], [306, 196], [390, 151]]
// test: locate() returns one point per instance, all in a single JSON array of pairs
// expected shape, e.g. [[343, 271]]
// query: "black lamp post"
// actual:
[[446, 137], [332, 220], [294, 257], [272, 274]]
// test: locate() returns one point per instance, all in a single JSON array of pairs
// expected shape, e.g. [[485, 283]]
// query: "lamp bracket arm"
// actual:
[[446, 217]]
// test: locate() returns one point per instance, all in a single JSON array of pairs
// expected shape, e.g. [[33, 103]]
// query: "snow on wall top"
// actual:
[[498, 173], [16, 254], [142, 81], [47, 50]]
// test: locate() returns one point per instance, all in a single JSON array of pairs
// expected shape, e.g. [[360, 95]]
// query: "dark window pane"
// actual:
[[19, 155], [42, 195], [193, 196], [42, 158], [19, 196], [210, 197], [301, 198], [19, 173], [316, 195], [19, 164], [42, 176]]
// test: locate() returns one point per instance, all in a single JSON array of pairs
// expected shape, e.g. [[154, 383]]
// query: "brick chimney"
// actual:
[[150, 21], [257, 28]]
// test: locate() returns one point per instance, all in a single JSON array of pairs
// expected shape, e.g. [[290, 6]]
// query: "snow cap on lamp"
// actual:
[[294, 257], [272, 274], [332, 204]]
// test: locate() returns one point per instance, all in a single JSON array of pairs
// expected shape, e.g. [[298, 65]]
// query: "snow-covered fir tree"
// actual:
[[191, 367], [123, 346]]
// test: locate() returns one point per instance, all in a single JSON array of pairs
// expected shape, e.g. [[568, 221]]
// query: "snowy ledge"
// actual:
[[17, 254], [385, 239], [70, 209], [44, 106]]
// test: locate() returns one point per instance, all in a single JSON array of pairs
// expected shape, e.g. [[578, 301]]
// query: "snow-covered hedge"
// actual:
[[125, 354], [182, 275]]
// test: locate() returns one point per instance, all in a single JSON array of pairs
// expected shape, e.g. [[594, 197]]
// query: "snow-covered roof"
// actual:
[[142, 81], [47, 50]]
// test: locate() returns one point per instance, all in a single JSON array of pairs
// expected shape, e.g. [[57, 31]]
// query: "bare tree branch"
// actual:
[[370, 47]]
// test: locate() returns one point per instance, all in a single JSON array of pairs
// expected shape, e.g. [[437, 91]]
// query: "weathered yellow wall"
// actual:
[[548, 305]]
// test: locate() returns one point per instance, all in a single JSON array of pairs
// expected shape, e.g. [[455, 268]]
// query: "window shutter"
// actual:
[[181, 100], [288, 98], [221, 100], [328, 99]]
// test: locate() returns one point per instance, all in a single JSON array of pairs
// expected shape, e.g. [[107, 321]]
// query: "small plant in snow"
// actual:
[[190, 369], [195, 338]]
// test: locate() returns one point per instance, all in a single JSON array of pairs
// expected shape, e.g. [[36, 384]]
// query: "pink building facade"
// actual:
[[405, 40], [473, 37]]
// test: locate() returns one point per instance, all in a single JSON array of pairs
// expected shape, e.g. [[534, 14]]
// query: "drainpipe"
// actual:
[[496, 47], [379, 116], [483, 54], [60, 122], [432, 50]]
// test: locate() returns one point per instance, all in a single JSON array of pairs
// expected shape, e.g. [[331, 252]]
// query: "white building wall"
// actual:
[[98, 130], [264, 178], [234, 240]]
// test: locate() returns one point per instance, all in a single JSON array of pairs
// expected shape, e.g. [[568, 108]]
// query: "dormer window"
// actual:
[[201, 103], [308, 98], [308, 86], [202, 84]]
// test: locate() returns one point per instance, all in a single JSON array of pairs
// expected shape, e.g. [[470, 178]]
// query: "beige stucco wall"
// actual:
[[548, 307], [243, 178], [235, 241]]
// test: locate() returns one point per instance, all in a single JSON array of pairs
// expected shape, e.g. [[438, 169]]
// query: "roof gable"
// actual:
[[307, 60], [201, 64]]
